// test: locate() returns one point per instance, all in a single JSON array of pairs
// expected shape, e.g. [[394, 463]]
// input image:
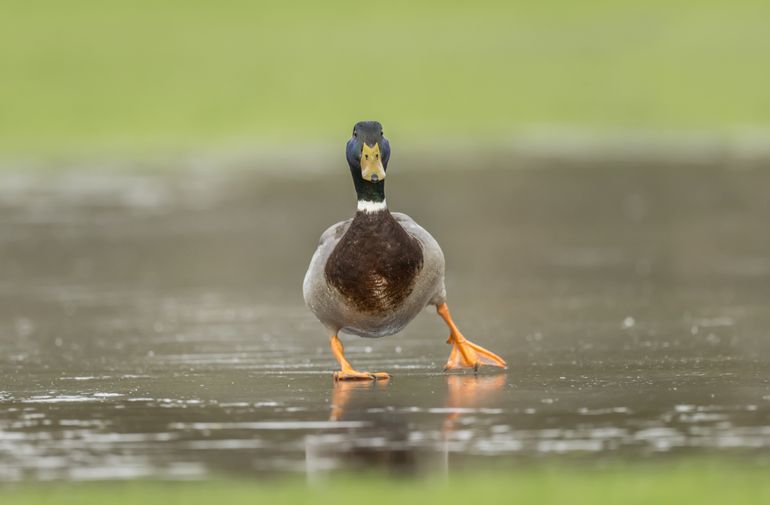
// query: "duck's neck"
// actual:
[[371, 196]]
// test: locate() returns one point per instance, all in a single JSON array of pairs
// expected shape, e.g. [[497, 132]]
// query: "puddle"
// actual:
[[153, 326]]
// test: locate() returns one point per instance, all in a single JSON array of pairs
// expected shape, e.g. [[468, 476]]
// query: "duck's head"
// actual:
[[368, 152]]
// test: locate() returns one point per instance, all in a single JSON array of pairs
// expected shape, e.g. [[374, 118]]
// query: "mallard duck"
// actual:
[[372, 274]]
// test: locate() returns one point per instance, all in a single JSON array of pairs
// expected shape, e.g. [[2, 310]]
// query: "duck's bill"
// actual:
[[372, 171], [371, 164]]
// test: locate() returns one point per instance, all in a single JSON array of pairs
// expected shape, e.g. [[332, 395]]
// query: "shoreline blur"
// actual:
[[747, 147]]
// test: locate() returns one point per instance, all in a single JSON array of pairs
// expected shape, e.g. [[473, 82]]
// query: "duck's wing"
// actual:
[[333, 234], [328, 242], [417, 231], [433, 256], [314, 285]]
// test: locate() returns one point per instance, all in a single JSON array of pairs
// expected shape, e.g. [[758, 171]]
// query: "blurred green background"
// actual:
[[84, 76], [683, 483]]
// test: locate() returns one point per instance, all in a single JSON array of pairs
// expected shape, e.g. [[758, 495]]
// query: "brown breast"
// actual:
[[375, 264]]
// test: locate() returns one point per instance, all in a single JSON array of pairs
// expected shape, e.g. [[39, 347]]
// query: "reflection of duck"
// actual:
[[372, 274], [469, 392], [380, 442], [463, 392], [383, 440]]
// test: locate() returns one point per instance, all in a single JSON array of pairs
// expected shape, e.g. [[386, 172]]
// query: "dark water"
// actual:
[[153, 325]]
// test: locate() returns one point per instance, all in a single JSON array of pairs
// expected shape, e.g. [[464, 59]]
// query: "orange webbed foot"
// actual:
[[347, 372], [354, 375], [466, 354]]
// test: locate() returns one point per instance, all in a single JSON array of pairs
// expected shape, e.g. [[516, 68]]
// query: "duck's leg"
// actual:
[[465, 354], [347, 372]]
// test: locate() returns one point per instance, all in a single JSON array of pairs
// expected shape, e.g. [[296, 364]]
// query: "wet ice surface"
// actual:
[[153, 326]]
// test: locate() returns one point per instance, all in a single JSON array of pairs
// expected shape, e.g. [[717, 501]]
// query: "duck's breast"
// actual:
[[364, 281], [375, 265]]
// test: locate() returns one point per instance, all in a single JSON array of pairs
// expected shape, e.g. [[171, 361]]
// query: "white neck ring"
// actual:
[[369, 207]]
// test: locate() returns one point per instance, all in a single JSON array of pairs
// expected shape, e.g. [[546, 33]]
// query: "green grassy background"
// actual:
[[84, 76], [702, 484]]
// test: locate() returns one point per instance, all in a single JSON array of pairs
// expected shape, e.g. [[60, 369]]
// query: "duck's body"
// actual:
[[372, 274]]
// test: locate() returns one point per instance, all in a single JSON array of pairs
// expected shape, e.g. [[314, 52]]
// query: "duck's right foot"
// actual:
[[347, 372], [354, 375]]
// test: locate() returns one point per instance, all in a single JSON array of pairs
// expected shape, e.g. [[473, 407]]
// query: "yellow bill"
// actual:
[[371, 164]]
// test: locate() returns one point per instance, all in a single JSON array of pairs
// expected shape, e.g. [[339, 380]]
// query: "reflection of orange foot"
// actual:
[[470, 391], [466, 354], [353, 375], [344, 390]]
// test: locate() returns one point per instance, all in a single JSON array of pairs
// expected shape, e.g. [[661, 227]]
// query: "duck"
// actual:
[[374, 273]]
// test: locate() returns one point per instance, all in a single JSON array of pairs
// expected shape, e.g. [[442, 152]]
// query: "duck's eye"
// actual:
[[376, 156], [366, 156]]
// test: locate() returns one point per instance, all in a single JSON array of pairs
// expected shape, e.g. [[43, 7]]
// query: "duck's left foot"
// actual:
[[466, 354]]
